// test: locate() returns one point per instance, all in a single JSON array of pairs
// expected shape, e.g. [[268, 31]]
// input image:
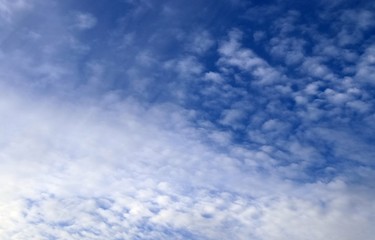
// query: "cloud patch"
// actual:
[[84, 21]]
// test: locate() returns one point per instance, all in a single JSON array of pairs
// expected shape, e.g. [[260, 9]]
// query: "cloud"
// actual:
[[347, 147], [289, 49], [200, 42], [138, 174], [233, 55], [361, 18], [315, 68], [9, 8], [213, 76], [231, 117], [84, 21], [185, 67], [365, 72], [156, 128]]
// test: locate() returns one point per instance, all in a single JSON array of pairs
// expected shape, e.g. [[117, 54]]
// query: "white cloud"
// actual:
[[297, 219], [360, 106], [213, 76], [272, 124], [347, 37], [82, 172], [361, 18], [9, 8], [108, 165], [84, 21], [200, 42], [233, 55], [337, 98], [231, 117], [185, 67], [365, 68], [287, 24], [289, 49], [315, 68], [346, 145]]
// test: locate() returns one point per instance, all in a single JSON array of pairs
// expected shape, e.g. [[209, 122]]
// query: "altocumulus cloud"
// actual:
[[179, 120]]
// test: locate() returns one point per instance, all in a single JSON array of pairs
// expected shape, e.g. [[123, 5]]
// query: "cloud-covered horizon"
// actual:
[[169, 119]]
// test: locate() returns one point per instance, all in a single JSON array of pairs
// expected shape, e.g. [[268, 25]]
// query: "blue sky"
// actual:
[[165, 119]]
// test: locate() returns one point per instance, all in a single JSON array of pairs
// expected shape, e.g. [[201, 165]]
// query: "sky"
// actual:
[[176, 119]]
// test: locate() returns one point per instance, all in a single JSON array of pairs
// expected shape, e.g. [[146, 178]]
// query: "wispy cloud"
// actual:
[[84, 21]]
